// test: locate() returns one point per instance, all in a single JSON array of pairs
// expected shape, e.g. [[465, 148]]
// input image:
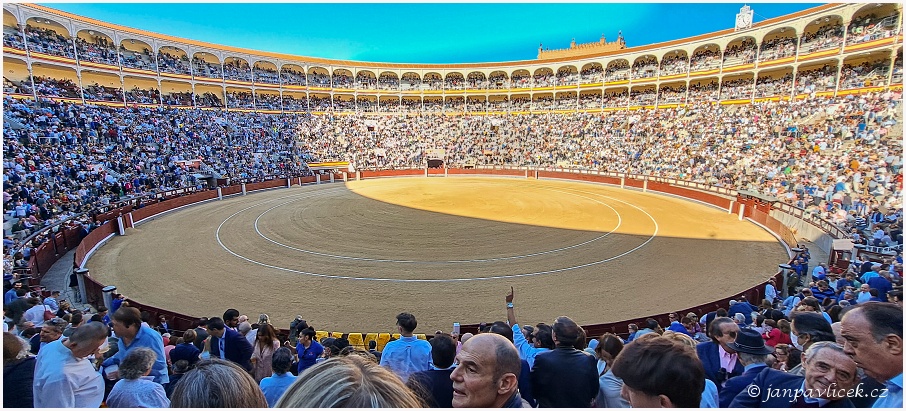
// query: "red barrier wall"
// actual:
[[689, 193], [92, 239], [392, 173], [162, 206], [264, 185]]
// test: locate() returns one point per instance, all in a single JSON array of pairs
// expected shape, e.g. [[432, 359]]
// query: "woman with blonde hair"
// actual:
[[348, 382], [266, 343]]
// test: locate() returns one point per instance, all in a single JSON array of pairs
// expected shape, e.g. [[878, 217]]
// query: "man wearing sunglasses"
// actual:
[[719, 359]]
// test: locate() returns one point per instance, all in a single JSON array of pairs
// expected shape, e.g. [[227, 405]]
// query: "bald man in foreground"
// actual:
[[488, 374]]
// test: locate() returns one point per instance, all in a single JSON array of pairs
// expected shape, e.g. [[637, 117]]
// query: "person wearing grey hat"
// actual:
[[753, 354]]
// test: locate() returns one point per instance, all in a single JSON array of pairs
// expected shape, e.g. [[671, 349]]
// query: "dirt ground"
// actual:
[[349, 257]]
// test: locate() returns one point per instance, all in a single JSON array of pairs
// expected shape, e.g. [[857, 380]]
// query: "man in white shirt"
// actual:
[[64, 377]]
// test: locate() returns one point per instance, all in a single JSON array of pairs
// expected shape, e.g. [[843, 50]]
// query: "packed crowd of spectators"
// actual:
[[833, 157], [674, 64], [644, 68], [142, 96], [777, 48], [13, 38], [266, 75], [736, 89], [177, 99], [48, 41], [169, 63], [872, 27], [237, 70], [617, 71], [136, 60], [866, 74], [818, 79], [815, 347], [342, 80], [292, 77], [792, 150], [98, 92], [705, 60], [592, 74], [202, 68], [99, 50], [827, 36], [51, 87], [742, 53]]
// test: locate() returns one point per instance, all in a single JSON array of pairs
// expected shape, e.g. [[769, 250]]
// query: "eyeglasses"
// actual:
[[732, 334]]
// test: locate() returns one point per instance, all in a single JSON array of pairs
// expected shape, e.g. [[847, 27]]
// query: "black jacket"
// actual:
[[564, 378], [17, 383], [434, 387]]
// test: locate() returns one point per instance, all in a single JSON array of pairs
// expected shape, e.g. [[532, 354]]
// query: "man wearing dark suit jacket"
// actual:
[[829, 375], [565, 377], [229, 344], [718, 358], [434, 386], [752, 353]]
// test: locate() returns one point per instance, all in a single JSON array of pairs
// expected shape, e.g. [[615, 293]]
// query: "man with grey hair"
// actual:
[[134, 391], [829, 376], [51, 331], [752, 354], [874, 339], [64, 377]]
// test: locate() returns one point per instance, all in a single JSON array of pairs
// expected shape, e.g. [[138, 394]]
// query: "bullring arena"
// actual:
[[346, 256], [616, 182]]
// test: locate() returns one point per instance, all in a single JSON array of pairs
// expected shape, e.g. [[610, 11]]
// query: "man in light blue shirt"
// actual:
[[527, 350], [874, 339], [128, 327], [274, 386], [408, 355], [51, 302]]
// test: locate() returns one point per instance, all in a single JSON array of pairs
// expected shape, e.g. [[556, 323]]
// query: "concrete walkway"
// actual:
[[57, 278]]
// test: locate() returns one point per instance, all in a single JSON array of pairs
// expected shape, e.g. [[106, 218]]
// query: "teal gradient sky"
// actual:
[[423, 32]]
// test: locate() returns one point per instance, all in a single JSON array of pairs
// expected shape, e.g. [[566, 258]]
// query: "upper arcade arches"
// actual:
[[676, 62], [237, 69], [778, 43], [48, 37], [172, 59], [292, 75], [318, 77], [266, 72], [206, 65], [97, 47], [766, 52], [822, 34], [705, 57], [741, 50], [137, 54]]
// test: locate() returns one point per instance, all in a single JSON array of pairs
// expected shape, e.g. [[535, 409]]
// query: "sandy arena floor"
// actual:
[[350, 257]]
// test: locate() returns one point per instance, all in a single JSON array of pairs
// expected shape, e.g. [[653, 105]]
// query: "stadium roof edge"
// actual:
[[485, 65]]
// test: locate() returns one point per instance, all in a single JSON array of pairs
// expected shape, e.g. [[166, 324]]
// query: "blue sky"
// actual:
[[423, 32]]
